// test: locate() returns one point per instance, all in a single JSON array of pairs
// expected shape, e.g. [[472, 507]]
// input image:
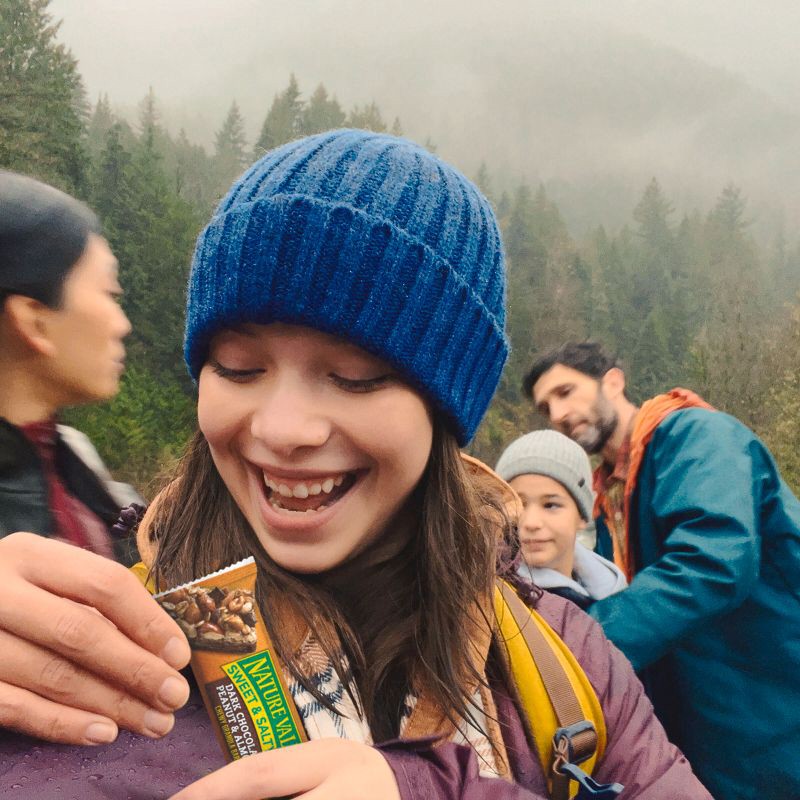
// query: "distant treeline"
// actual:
[[693, 301]]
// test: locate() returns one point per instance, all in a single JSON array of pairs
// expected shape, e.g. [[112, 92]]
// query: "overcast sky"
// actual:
[[192, 50]]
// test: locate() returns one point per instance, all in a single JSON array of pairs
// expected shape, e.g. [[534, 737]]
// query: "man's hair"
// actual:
[[590, 358], [43, 232]]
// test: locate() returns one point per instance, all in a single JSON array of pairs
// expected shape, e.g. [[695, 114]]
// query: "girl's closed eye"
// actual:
[[361, 385], [235, 375]]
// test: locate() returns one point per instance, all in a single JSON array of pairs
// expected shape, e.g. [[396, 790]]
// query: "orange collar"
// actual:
[[650, 416]]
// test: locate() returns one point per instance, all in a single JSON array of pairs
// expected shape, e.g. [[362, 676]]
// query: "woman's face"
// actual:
[[548, 523], [87, 329], [319, 442]]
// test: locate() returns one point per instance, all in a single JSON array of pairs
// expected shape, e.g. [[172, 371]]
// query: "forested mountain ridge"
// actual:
[[564, 94], [685, 299]]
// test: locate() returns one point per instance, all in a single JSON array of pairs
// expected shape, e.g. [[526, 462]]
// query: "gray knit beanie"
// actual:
[[552, 454]]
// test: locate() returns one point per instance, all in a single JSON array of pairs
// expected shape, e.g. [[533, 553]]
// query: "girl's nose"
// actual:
[[289, 419]]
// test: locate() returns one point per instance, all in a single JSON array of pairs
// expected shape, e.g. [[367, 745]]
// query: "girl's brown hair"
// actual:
[[399, 611]]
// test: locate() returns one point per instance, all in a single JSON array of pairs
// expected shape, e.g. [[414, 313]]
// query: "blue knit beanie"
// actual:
[[373, 239]]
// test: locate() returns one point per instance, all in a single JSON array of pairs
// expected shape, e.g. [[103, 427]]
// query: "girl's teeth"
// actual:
[[304, 490], [278, 507]]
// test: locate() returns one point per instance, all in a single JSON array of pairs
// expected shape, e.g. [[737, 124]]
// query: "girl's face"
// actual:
[[548, 523], [319, 443]]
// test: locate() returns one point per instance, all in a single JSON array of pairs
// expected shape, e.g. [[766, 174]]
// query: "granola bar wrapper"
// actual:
[[234, 661]]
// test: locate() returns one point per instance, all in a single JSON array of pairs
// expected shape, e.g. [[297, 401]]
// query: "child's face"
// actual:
[[319, 442], [548, 522]]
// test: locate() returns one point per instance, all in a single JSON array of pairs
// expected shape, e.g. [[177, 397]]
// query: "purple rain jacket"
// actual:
[[638, 754]]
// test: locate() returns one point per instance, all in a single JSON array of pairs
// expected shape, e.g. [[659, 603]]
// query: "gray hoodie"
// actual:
[[593, 577]]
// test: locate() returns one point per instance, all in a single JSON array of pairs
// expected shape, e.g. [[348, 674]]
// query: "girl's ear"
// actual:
[[27, 318]]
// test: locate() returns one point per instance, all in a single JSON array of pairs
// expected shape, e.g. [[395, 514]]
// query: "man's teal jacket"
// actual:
[[712, 618]]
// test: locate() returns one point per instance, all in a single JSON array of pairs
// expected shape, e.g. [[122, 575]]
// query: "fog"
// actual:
[[591, 98]]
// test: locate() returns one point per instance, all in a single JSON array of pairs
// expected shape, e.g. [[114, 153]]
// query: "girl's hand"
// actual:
[[85, 649], [325, 769]]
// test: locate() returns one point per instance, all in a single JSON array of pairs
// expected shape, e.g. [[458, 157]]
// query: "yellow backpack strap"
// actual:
[[142, 572], [558, 700]]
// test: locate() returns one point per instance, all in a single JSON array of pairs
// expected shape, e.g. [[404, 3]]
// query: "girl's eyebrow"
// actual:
[[243, 329]]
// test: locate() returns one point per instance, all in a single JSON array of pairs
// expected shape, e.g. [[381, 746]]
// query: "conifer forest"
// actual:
[[695, 298]]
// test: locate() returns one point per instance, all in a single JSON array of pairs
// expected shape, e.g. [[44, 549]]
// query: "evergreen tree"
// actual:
[[526, 271], [503, 206], [42, 101], [548, 224], [151, 129], [195, 181], [732, 253], [100, 124], [649, 362], [152, 231], [322, 113], [111, 194], [283, 121], [230, 155], [652, 214], [728, 212], [657, 256], [780, 430], [484, 182], [368, 118]]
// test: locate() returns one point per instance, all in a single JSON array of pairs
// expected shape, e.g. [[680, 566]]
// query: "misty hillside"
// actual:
[[592, 113], [596, 118]]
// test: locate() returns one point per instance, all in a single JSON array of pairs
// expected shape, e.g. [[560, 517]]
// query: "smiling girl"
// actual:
[[346, 328], [345, 324]]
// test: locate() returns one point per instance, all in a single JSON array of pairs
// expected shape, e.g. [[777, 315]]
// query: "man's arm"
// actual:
[[704, 504]]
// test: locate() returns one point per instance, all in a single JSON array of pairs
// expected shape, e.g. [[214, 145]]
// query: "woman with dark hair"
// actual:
[[61, 332]]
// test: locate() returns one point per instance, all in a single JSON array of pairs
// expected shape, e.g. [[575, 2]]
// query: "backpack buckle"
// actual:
[[588, 788], [566, 751]]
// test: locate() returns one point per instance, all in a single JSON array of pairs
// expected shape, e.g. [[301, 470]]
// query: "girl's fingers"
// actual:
[[326, 769], [72, 692], [276, 773], [28, 713]]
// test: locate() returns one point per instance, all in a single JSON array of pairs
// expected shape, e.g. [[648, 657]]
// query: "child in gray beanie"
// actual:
[[553, 478]]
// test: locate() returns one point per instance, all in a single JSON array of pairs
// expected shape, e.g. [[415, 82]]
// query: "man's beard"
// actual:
[[594, 436]]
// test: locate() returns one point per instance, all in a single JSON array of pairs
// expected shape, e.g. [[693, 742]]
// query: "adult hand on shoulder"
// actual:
[[70, 674], [325, 769]]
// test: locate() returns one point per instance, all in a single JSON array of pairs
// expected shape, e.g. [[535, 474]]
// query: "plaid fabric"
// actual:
[[346, 722]]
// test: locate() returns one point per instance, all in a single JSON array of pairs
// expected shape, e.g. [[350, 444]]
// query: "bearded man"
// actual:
[[690, 504]]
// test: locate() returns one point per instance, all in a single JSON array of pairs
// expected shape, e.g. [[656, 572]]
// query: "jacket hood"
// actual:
[[592, 575]]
